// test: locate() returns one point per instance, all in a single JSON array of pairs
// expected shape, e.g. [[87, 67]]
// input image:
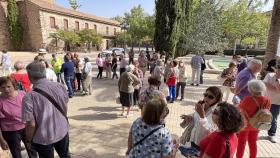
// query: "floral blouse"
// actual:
[[157, 145], [230, 77]]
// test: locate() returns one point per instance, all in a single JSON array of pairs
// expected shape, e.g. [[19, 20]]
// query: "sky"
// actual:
[[112, 8]]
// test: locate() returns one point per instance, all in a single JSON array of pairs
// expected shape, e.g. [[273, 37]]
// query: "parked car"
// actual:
[[118, 51]]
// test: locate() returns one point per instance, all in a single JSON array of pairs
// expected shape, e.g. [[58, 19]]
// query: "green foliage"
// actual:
[[89, 36], [118, 18], [15, 28], [69, 37], [140, 25], [74, 4], [241, 22], [205, 32], [121, 38], [169, 15]]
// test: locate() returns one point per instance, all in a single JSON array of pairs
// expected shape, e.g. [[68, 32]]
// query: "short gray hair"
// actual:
[[36, 70], [254, 62], [256, 87], [130, 68]]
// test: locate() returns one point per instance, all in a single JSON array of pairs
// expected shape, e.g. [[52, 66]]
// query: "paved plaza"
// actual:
[[97, 130]]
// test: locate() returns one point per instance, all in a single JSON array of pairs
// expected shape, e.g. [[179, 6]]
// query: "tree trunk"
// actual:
[[273, 36]]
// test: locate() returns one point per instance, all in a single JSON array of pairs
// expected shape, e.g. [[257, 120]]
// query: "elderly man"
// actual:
[[244, 76], [44, 111], [196, 63], [272, 82]]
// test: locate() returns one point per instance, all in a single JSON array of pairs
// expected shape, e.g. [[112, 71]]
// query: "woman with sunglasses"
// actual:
[[223, 142], [201, 120]]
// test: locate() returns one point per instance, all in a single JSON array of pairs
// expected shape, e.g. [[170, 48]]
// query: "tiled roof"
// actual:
[[70, 12]]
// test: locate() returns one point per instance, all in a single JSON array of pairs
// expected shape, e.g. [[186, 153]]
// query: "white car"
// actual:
[[118, 51]]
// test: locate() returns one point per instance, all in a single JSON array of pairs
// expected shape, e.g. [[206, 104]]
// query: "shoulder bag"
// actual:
[[144, 138]]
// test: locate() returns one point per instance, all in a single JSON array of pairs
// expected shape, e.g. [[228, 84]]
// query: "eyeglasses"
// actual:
[[208, 96]]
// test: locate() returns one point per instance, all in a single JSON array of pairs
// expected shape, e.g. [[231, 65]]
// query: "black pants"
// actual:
[[79, 80], [201, 76], [181, 85], [122, 70], [136, 94], [59, 78], [100, 71], [115, 73], [13, 138], [61, 147]]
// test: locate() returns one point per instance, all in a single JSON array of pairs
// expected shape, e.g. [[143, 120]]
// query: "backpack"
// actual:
[[19, 84], [261, 119]]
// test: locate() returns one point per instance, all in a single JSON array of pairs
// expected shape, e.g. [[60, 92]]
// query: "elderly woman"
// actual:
[[50, 74], [249, 106], [223, 142], [229, 76], [139, 74], [12, 128], [159, 70], [182, 80], [20, 77], [200, 123], [108, 65], [143, 61], [126, 84], [87, 77], [157, 140]]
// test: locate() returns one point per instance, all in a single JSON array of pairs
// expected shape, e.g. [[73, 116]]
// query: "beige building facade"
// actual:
[[40, 18]]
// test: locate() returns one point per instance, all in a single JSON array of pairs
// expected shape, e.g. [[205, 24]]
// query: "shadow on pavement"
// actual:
[[100, 116]]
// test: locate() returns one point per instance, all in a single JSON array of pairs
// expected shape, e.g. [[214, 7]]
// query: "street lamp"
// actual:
[[124, 26]]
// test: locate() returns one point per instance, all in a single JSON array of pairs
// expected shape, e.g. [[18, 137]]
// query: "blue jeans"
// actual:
[[275, 109], [172, 92], [69, 83]]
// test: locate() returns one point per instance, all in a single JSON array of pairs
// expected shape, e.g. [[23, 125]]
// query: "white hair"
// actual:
[[36, 70], [254, 62], [130, 68], [256, 87]]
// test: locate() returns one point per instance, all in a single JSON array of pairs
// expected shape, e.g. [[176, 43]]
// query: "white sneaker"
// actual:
[[272, 139]]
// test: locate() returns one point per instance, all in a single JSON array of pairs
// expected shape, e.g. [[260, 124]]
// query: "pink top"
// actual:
[[11, 113]]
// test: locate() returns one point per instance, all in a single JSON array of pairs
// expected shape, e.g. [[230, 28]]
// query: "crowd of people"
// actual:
[[34, 99]]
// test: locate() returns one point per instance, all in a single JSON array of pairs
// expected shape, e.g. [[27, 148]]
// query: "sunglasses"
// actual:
[[208, 96]]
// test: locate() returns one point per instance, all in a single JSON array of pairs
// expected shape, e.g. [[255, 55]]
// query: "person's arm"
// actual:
[[30, 130], [3, 143], [129, 142]]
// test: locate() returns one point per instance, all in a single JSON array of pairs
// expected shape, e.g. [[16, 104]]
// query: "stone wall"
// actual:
[[32, 36], [5, 42], [59, 22]]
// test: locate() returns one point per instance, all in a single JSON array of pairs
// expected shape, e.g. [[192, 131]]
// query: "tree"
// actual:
[[15, 28], [70, 38], [121, 38], [205, 32], [169, 14], [136, 19], [74, 4], [89, 37], [118, 18]]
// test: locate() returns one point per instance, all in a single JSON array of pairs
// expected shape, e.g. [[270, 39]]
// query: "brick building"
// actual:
[[39, 18]]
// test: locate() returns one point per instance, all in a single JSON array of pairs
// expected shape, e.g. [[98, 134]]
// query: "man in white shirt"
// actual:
[[272, 82], [87, 77], [196, 62]]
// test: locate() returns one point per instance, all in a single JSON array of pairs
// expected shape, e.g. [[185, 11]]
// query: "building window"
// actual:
[[107, 30], [86, 26], [77, 25], [95, 28], [115, 31], [65, 21], [52, 22]]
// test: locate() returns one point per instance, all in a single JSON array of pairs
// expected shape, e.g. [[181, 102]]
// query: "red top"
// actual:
[[171, 81], [214, 145], [23, 78], [249, 105]]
